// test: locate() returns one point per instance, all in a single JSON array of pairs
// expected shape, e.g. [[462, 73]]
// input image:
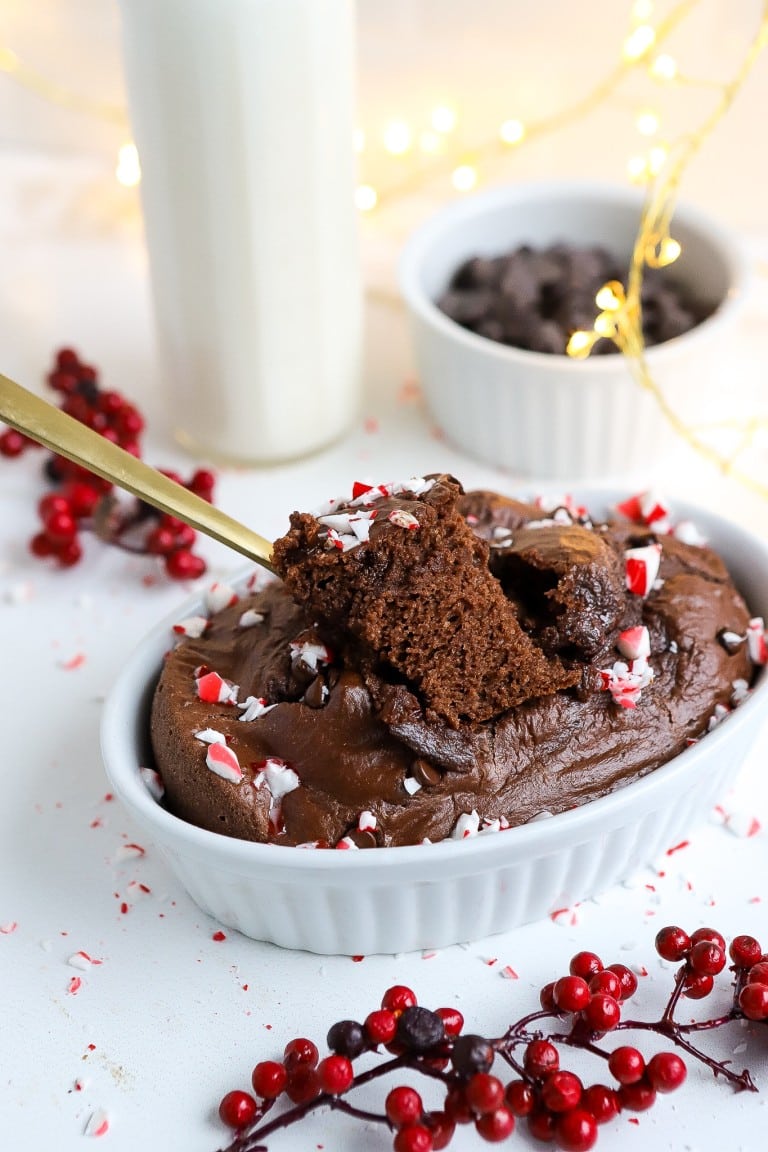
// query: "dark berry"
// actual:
[[547, 997], [82, 498], [347, 1038], [419, 1029], [672, 943], [541, 1124], [238, 1109], [472, 1054], [456, 1105], [303, 1084]]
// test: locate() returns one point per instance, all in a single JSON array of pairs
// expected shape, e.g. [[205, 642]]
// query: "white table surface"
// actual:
[[171, 1018]]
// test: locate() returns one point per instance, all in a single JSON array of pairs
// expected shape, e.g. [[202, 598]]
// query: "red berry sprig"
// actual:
[[556, 1105], [80, 500]]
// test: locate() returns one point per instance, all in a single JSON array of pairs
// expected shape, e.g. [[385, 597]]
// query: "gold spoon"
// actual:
[[51, 427]]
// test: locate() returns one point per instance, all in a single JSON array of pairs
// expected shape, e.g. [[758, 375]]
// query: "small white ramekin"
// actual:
[[550, 416], [430, 896]]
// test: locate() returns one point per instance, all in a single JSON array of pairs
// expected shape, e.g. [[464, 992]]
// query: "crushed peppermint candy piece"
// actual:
[[756, 644], [82, 961], [153, 783], [254, 707], [642, 568], [278, 777], [210, 736], [634, 642], [310, 654], [743, 824], [250, 618], [411, 785], [98, 1123], [717, 717], [626, 681], [346, 843], [739, 692], [193, 626], [564, 503], [220, 596], [366, 821], [687, 532], [214, 689], [646, 508], [364, 495], [403, 519], [468, 824], [223, 761]]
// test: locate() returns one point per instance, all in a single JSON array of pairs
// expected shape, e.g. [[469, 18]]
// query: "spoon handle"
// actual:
[[61, 433]]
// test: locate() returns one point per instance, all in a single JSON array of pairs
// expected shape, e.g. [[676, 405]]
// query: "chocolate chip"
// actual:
[[363, 838], [425, 773], [317, 693]]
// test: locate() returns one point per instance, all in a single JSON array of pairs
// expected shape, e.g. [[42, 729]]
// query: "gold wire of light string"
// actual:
[[620, 318]]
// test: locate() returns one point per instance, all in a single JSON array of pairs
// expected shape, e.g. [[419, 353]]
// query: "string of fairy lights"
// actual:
[[432, 155]]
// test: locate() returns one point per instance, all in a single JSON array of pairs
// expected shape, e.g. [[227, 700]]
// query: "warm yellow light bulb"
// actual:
[[397, 137], [443, 118], [609, 298], [663, 67], [647, 122], [358, 139], [128, 170], [512, 131], [365, 197], [657, 158], [580, 344], [605, 325], [430, 142], [637, 168], [642, 11], [639, 42], [464, 178], [669, 250]]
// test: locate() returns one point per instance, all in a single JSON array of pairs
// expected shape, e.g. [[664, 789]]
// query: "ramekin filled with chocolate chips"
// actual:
[[497, 283]]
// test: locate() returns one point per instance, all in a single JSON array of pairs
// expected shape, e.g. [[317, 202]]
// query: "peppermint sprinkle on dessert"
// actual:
[[642, 568], [254, 707], [310, 654], [220, 596], [210, 736], [403, 519], [758, 650], [214, 689], [250, 618], [193, 626], [223, 761], [153, 783]]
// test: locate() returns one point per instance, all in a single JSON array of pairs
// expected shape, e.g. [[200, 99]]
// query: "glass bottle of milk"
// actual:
[[243, 114]]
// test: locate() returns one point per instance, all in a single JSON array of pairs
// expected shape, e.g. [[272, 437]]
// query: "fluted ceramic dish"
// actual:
[[549, 416], [399, 899]]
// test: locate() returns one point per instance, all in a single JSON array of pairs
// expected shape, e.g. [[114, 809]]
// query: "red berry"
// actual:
[[110, 402], [637, 1097], [547, 997], [496, 1126], [452, 1019], [129, 422], [41, 545], [64, 382], [484, 1092], [576, 1131], [758, 973], [12, 443], [381, 1026], [745, 951], [269, 1079], [697, 985], [626, 1064], [602, 1102], [561, 1091], [398, 998], [53, 503], [707, 958], [67, 359], [185, 536], [753, 1001], [87, 374], [203, 483], [336, 1074], [571, 993], [403, 1106], [300, 1051], [710, 934], [414, 1138], [60, 526], [627, 979], [541, 1124], [585, 964], [672, 943], [602, 1013], [184, 565], [456, 1106], [303, 1084], [441, 1127], [606, 981], [238, 1109], [160, 541], [520, 1097], [666, 1071], [68, 554], [541, 1058], [82, 497]]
